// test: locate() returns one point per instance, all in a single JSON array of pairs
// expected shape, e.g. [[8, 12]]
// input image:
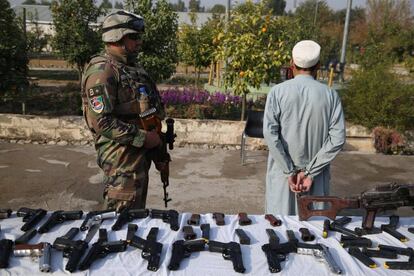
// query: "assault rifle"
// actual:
[[150, 121], [381, 198]]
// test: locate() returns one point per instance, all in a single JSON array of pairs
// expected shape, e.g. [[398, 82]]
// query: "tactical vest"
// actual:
[[130, 81]]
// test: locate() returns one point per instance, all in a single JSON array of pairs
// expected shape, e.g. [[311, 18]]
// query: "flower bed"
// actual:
[[193, 103]]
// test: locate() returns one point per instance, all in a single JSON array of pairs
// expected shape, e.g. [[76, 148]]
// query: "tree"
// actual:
[[391, 25], [217, 8], [118, 5], [75, 39], [35, 36], [256, 45], [13, 57], [159, 51], [195, 45], [179, 7], [194, 6], [277, 6], [106, 5]]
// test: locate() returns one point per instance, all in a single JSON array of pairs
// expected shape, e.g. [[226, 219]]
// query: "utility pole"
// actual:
[[344, 40], [316, 13]]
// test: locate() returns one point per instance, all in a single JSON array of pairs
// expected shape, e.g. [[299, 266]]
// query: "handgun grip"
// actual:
[[75, 255], [219, 217], [272, 259], [5, 213], [244, 219], [273, 220], [205, 231], [45, 264], [93, 254], [177, 255], [6, 247]]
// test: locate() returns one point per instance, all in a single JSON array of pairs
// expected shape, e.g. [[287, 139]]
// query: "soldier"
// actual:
[[115, 90]]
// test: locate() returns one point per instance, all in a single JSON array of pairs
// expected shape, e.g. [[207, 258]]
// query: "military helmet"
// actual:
[[118, 24]]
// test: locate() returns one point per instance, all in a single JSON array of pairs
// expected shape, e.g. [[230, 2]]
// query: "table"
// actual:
[[130, 262]]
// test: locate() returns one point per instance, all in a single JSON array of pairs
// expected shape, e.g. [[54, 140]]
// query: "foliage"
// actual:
[[256, 45], [106, 5], [118, 5], [178, 7], [13, 56], [218, 8], [159, 51], [388, 141], [376, 97], [277, 6], [390, 27], [195, 45], [75, 40], [37, 39], [194, 6]]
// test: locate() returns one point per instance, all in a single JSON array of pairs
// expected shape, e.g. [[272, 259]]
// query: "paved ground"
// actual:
[[66, 177]]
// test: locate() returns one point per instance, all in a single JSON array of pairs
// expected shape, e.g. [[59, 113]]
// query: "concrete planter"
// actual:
[[206, 132]]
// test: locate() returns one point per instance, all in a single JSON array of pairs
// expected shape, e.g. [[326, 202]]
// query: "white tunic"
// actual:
[[304, 127]]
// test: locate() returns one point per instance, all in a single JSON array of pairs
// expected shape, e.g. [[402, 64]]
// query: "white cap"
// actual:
[[306, 53]]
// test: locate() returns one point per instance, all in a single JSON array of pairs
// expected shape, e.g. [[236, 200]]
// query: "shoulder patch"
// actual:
[[97, 104], [96, 90], [96, 98]]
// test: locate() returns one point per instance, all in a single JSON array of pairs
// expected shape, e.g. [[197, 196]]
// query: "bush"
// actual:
[[388, 141], [200, 104], [376, 97]]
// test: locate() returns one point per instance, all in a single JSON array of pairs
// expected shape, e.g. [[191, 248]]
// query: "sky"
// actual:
[[334, 4]]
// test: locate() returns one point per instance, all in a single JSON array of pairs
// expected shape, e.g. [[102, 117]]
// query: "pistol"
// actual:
[[230, 251], [59, 217], [127, 215], [31, 217], [183, 249], [101, 249], [5, 213], [6, 247], [168, 216], [322, 253], [151, 249], [85, 226], [41, 250]]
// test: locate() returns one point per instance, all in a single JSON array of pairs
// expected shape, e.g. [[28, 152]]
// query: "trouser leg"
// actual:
[[126, 190]]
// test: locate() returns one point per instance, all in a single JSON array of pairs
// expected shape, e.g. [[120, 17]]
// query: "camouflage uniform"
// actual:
[[114, 93]]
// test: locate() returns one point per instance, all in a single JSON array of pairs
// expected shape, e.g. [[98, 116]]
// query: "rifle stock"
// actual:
[[336, 205]]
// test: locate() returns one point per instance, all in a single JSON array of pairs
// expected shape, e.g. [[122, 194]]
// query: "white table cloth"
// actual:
[[130, 262]]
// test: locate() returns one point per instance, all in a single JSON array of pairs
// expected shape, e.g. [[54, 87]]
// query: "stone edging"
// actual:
[[199, 133]]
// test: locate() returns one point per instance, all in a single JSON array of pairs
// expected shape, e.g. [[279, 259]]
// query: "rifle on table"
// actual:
[[150, 121], [381, 198]]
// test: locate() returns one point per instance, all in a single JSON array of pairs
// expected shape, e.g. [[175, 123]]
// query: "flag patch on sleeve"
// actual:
[[97, 104]]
